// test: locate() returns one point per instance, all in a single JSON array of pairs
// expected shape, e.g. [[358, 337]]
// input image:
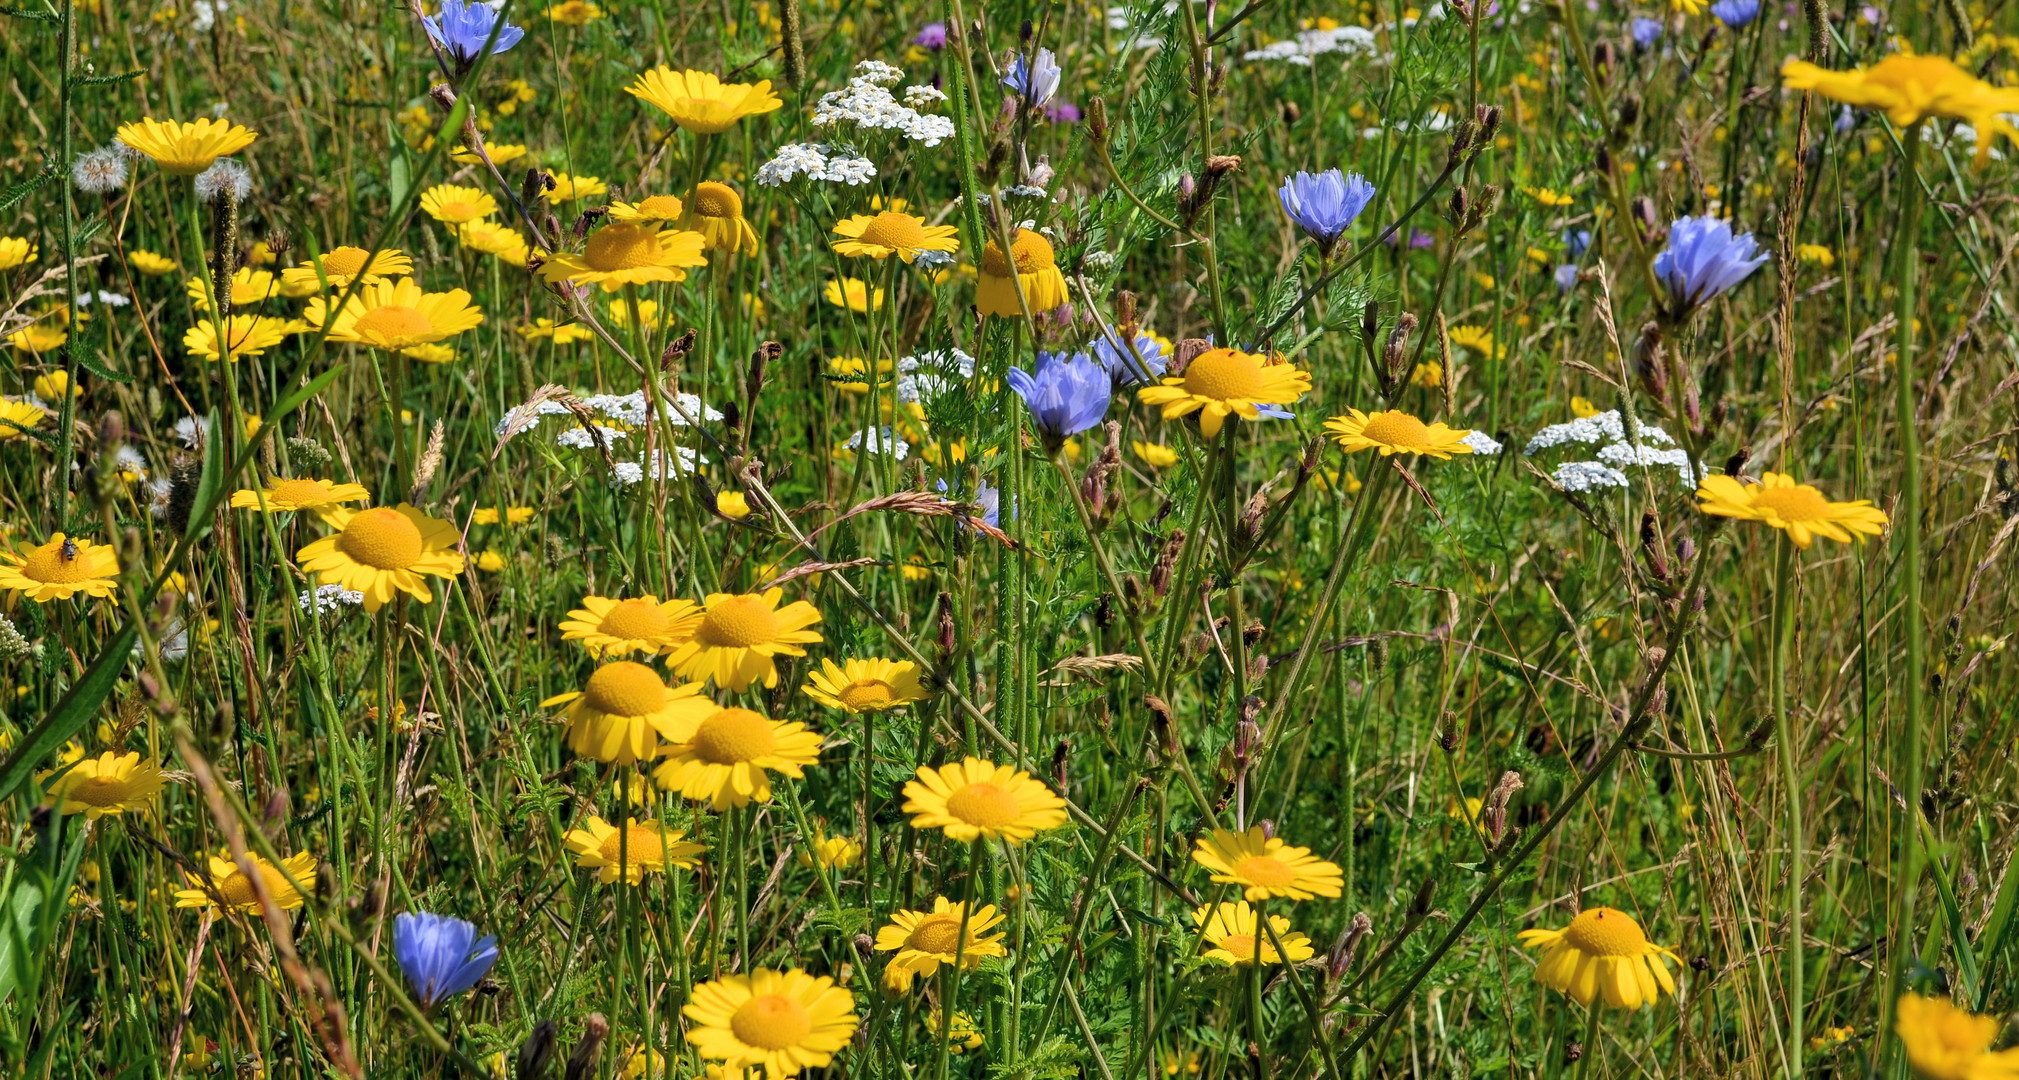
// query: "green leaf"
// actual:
[[399, 179], [24, 13], [1952, 916], [211, 480], [93, 365], [71, 714], [18, 926], [27, 187], [108, 80], [294, 400]]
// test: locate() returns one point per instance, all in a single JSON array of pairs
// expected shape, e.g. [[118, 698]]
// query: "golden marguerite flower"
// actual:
[[973, 798], [500, 153], [1220, 383], [249, 287], [1944, 1042], [17, 417], [60, 569], [384, 550], [244, 335], [618, 255], [854, 294], [394, 315], [1265, 866], [149, 263], [16, 251], [234, 889], [1233, 936], [1798, 509], [489, 237], [716, 211], [833, 852], [186, 149], [501, 515], [782, 1022], [727, 756], [1912, 88], [430, 354], [923, 940], [107, 784], [641, 847], [453, 204], [342, 265], [651, 210], [288, 496], [1396, 432], [702, 103], [569, 188], [38, 338], [623, 709], [870, 684], [544, 329], [1036, 271], [1602, 953], [891, 233], [741, 635]]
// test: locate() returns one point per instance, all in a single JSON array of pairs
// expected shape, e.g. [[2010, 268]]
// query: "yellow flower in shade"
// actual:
[[1427, 376], [648, 313], [620, 713], [490, 562], [16, 251], [569, 188], [384, 550], [558, 333], [642, 624], [574, 12], [54, 386], [641, 847], [923, 940], [1944, 1042], [853, 294], [1912, 88], [1266, 866], [1187, 1064], [871, 684], [234, 890], [108, 784], [1233, 936], [1582, 407], [249, 287], [430, 354], [36, 339], [1396, 432], [732, 504], [342, 265], [288, 496], [1474, 339], [1220, 383], [741, 634], [453, 204], [393, 315], [505, 515], [961, 1034], [1155, 455], [185, 149], [244, 335], [834, 852], [60, 569], [619, 255], [727, 756], [702, 103], [891, 233], [501, 153], [980, 798], [17, 417], [1799, 509], [716, 211], [1545, 197], [1037, 272], [489, 237], [1815, 255], [150, 264], [782, 1022], [641, 1062], [1602, 954], [651, 210]]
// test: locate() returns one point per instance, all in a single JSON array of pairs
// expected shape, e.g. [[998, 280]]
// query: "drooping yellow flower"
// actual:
[[651, 210], [727, 757], [150, 264], [384, 550], [249, 287], [290, 496], [832, 852], [1602, 954], [1155, 455], [972, 797], [234, 889], [610, 627], [618, 255], [453, 204], [1234, 936], [1582, 407], [868, 684], [500, 153], [429, 354], [1036, 272], [489, 237], [716, 212], [342, 265], [60, 569], [17, 417], [1798, 509], [620, 714], [782, 1022], [1912, 88], [393, 315], [245, 335], [108, 784], [186, 149], [1220, 383], [740, 636], [702, 103], [1396, 432], [1944, 1042], [16, 251], [545, 329], [641, 847], [892, 233], [853, 294], [569, 188], [923, 940], [1265, 866]]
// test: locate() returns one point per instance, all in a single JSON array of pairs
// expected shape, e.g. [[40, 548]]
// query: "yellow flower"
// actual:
[[574, 12], [569, 188], [1266, 866], [612, 628], [1037, 273], [342, 265], [925, 940], [648, 313], [509, 515], [54, 386], [961, 1033], [1155, 455], [60, 569], [871, 684], [396, 315], [1427, 376], [652, 210], [1188, 1064], [716, 211], [249, 287], [619, 255], [732, 504], [384, 550], [110, 784], [641, 847], [17, 417], [1831, 1037], [1688, 7], [1582, 407], [1799, 509], [490, 561], [287, 496], [544, 329], [1234, 936], [891, 233], [1475, 339], [980, 798], [620, 713], [185, 149], [1815, 255], [245, 335], [780, 1021], [517, 92], [1226, 382], [430, 354], [489, 237], [234, 889], [1396, 432], [1912, 88], [741, 634], [150, 264], [1546, 197], [834, 852], [1944, 1042], [702, 103], [854, 294], [641, 1062], [727, 756], [454, 205], [500, 153], [16, 251], [1602, 953], [38, 338]]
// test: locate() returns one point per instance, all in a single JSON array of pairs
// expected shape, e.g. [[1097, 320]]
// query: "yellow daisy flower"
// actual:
[[1155, 455], [341, 265], [980, 798], [108, 784], [288, 496], [17, 417], [833, 852], [54, 386], [641, 847], [430, 354], [575, 12], [382, 551], [732, 504], [1266, 866], [505, 515], [1396, 432], [16, 251], [780, 1021], [234, 889], [870, 684], [1476, 339], [651, 210], [245, 335], [1944, 1042], [60, 569], [569, 188], [619, 255], [702, 103], [716, 211], [620, 713], [453, 204], [891, 233], [501, 153], [1582, 407], [489, 561], [186, 149], [1546, 197], [1798, 509], [610, 627], [924, 940], [1226, 382], [38, 338], [739, 637], [150, 264], [1037, 272], [489, 237], [393, 315], [249, 287], [853, 294], [1815, 255], [1602, 953], [727, 756], [1233, 936], [1912, 88], [961, 1033], [559, 333]]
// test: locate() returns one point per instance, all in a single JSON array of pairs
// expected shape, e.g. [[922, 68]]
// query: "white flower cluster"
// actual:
[[579, 438], [928, 375], [630, 408], [109, 299], [878, 441], [1586, 475], [934, 260], [681, 462], [1100, 262], [1481, 443], [815, 161], [127, 460], [1605, 427], [923, 97], [512, 415], [1352, 40], [324, 599], [866, 102], [1648, 447]]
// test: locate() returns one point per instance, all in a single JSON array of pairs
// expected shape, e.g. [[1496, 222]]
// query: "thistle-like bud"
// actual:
[[537, 1052], [1166, 565], [1395, 354], [536, 184], [1251, 518], [1041, 173], [1650, 366], [1166, 726], [1420, 906], [1489, 124], [1629, 116], [1340, 960], [1493, 815], [1604, 56], [1188, 350], [1096, 126], [1643, 212], [1650, 545], [1370, 323], [1736, 464], [1461, 203]]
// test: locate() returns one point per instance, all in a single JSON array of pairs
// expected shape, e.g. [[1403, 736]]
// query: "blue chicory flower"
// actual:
[[1037, 82], [1735, 13], [1576, 242], [465, 25], [1845, 121], [1704, 259], [441, 954], [1645, 33], [1566, 277], [1066, 395], [986, 497], [1324, 205], [1123, 366]]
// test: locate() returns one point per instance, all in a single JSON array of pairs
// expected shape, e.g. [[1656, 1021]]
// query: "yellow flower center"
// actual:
[[633, 620], [868, 694], [382, 538], [100, 790], [1241, 945], [642, 845], [460, 210], [936, 934], [47, 564], [1799, 503], [733, 736], [345, 261], [738, 623], [298, 492], [1224, 375], [625, 688], [1031, 251], [771, 1022], [1266, 871], [1396, 429], [236, 889], [392, 322], [893, 230], [1605, 932], [984, 805], [660, 207], [622, 247], [716, 200]]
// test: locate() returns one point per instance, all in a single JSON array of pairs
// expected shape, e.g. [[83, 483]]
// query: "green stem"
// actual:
[[1590, 1039], [1790, 747]]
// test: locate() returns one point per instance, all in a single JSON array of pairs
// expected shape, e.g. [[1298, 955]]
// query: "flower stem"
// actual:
[[1590, 1039], [1790, 747]]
